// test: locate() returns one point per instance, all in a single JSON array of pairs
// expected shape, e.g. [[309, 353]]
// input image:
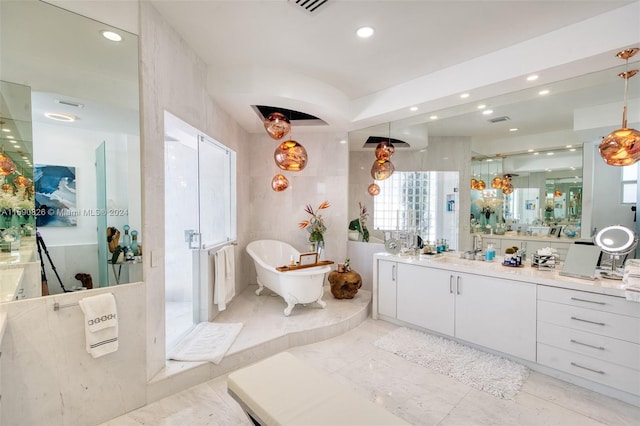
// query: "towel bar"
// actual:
[[57, 306]]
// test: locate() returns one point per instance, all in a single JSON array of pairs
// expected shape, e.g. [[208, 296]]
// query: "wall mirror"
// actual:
[[84, 160], [540, 119]]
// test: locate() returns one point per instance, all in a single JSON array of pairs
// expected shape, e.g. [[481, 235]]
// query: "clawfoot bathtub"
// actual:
[[298, 286]]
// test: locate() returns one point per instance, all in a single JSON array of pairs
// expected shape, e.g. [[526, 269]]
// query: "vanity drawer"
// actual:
[[598, 302], [598, 322], [593, 369], [594, 345]]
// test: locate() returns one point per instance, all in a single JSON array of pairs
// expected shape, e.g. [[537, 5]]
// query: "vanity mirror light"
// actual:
[[84, 113]]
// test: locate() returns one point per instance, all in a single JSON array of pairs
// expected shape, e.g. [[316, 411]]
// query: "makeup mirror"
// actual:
[[616, 241]]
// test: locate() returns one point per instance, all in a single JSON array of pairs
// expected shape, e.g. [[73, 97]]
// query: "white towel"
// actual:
[[225, 283], [100, 324]]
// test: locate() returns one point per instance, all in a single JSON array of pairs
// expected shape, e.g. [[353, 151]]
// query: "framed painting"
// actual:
[[55, 195]]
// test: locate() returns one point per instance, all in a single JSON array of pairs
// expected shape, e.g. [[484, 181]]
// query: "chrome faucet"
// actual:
[[477, 243]]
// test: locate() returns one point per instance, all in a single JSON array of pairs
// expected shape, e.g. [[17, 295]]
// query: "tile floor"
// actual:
[[413, 393]]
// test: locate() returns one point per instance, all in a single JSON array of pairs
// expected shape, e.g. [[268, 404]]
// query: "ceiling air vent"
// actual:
[[373, 141], [309, 5], [69, 103], [499, 119]]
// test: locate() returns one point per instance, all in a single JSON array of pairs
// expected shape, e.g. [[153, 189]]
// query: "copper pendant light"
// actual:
[[290, 156], [384, 150], [622, 147], [7, 166], [22, 181], [507, 186], [373, 189], [279, 183], [277, 125], [481, 185], [382, 169], [496, 182]]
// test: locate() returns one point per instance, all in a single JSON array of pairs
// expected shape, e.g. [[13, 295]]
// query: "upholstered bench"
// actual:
[[283, 390]]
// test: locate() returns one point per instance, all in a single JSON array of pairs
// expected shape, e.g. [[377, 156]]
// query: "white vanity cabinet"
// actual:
[[426, 298], [495, 313], [387, 284], [593, 336]]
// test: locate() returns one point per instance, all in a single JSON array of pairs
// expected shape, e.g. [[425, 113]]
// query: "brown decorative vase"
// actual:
[[344, 285]]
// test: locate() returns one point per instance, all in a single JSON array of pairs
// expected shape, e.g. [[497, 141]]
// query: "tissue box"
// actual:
[[541, 261]]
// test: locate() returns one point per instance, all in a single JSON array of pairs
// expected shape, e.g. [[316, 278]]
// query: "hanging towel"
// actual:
[[100, 324], [224, 286]]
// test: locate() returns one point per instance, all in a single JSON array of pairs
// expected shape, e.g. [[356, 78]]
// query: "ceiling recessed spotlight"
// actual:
[[111, 35], [487, 112], [569, 146], [572, 168], [572, 150], [532, 77], [58, 116], [413, 108], [530, 150], [434, 117], [343, 141], [489, 160], [464, 96], [549, 153], [513, 129], [543, 92], [10, 137], [364, 32], [482, 106], [6, 130], [14, 142], [536, 153], [17, 146], [423, 150]]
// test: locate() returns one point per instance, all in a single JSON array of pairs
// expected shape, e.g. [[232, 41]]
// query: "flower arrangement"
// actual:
[[360, 224], [488, 205], [315, 225]]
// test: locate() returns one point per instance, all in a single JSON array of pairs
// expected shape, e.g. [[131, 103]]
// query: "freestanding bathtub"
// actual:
[[298, 286]]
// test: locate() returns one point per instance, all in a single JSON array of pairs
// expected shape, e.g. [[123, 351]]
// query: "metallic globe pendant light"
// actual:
[[373, 189], [622, 147], [382, 169], [277, 125], [290, 156], [279, 183]]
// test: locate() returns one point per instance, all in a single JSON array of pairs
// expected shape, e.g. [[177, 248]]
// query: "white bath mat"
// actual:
[[490, 373], [208, 341]]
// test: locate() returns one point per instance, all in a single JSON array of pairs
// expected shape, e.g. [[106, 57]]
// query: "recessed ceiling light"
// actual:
[[532, 77], [513, 129], [464, 95], [413, 108], [110, 35], [10, 137], [6, 130], [487, 112], [343, 141], [536, 153], [60, 116], [543, 92], [364, 32], [569, 146], [434, 117], [489, 160], [14, 142], [549, 153], [16, 146], [530, 150], [572, 149], [573, 168], [482, 106]]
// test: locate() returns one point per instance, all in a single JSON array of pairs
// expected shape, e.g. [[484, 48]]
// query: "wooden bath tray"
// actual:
[[295, 267]]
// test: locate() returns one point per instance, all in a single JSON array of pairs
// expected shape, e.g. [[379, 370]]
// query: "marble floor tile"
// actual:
[[414, 393]]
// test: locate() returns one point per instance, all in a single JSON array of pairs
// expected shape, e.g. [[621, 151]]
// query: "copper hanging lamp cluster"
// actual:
[[478, 184], [289, 155], [382, 167], [622, 147]]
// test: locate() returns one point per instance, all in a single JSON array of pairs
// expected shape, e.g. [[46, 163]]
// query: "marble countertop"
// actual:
[[10, 280], [551, 277], [26, 253], [546, 238]]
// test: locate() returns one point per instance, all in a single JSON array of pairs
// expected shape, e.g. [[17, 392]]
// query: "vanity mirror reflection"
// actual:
[[83, 110], [562, 121]]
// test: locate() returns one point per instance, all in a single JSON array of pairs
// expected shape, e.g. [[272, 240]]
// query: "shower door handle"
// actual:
[[192, 238]]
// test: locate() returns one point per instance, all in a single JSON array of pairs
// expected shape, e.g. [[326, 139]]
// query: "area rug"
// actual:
[[490, 373], [208, 341]]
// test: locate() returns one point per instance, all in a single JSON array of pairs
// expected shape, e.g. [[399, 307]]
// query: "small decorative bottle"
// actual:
[[126, 240], [134, 243]]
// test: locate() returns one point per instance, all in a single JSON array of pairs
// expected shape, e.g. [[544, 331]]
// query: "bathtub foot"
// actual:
[[321, 302], [259, 290], [291, 302]]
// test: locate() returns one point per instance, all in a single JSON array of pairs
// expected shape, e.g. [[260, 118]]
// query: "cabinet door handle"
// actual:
[[586, 344], [577, 299], [393, 273], [587, 368], [451, 284], [458, 284], [590, 322]]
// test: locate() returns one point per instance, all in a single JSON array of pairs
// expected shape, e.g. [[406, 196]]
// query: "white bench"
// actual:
[[283, 390]]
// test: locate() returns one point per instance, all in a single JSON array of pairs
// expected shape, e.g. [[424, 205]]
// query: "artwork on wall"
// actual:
[[55, 195]]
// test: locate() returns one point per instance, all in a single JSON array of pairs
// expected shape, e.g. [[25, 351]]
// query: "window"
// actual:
[[420, 201], [630, 184]]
